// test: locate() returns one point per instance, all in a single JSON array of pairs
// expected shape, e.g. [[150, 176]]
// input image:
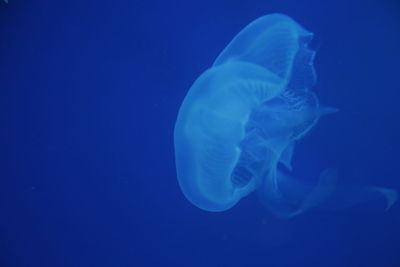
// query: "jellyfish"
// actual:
[[238, 125]]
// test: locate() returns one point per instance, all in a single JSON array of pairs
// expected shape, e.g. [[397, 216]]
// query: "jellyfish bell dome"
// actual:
[[243, 116]]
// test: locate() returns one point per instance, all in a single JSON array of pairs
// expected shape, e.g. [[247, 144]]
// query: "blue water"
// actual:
[[89, 96]]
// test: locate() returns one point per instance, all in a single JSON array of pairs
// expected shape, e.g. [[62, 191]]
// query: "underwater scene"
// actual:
[[200, 133]]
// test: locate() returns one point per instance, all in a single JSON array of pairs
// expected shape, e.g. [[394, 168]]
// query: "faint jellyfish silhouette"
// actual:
[[242, 117]]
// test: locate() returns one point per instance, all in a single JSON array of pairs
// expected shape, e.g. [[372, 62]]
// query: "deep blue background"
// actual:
[[89, 94]]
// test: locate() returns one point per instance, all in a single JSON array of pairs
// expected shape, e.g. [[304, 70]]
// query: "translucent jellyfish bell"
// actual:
[[243, 116]]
